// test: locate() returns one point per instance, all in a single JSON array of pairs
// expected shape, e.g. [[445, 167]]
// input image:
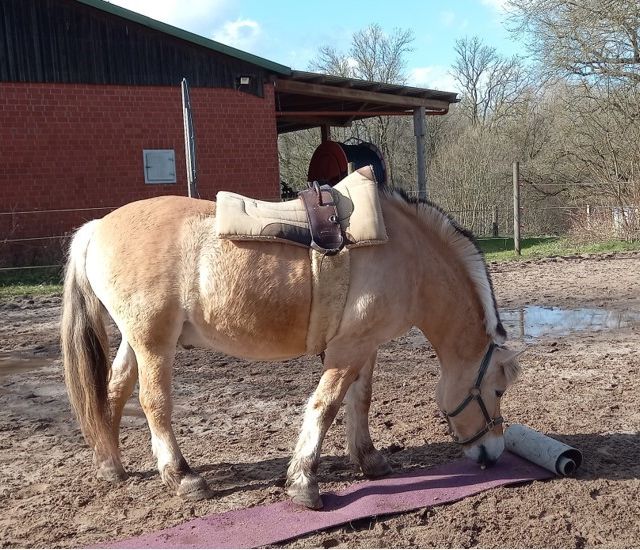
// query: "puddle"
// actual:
[[13, 364], [531, 322]]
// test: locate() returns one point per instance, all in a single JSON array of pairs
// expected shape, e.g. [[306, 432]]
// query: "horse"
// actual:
[[159, 270]]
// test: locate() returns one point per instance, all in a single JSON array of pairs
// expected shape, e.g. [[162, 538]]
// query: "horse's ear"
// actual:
[[506, 355], [508, 360]]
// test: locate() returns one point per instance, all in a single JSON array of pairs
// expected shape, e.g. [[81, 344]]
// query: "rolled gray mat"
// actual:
[[542, 450]]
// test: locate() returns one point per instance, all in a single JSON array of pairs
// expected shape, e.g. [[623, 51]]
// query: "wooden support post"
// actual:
[[419, 129], [325, 130], [516, 207], [494, 221]]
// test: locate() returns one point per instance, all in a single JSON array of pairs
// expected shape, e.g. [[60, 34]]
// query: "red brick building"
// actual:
[[90, 99], [86, 87]]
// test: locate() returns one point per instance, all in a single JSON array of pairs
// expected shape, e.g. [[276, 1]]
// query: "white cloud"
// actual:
[[241, 33], [194, 15], [436, 77]]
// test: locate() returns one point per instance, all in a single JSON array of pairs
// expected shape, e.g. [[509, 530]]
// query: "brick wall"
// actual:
[[67, 146]]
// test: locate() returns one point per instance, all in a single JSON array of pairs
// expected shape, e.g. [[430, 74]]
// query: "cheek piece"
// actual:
[[475, 395]]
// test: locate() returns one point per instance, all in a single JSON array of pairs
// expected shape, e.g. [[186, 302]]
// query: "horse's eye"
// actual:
[[499, 393]]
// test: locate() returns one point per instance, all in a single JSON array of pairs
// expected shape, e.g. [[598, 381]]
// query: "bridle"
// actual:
[[475, 395]]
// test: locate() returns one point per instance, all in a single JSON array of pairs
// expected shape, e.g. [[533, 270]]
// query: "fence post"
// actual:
[[494, 221], [516, 207]]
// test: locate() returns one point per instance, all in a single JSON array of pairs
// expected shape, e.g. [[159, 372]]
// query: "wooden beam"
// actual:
[[313, 122], [299, 114], [352, 94]]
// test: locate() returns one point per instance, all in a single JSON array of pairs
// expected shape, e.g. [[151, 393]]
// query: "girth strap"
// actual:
[[326, 233]]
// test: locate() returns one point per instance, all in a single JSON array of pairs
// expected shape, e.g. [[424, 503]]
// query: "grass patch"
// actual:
[[37, 281], [501, 249]]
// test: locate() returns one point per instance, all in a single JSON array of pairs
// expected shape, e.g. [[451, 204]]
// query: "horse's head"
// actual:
[[469, 396]]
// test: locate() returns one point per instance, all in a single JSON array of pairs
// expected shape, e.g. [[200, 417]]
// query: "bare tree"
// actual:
[[586, 38], [331, 61], [591, 49], [492, 85], [373, 55]]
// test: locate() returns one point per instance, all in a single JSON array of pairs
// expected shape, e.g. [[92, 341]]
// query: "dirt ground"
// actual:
[[237, 422]]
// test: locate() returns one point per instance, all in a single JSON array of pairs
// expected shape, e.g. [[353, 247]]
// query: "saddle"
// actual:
[[322, 218]]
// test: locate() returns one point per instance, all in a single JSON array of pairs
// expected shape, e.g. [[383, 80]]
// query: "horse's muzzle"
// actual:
[[487, 452]]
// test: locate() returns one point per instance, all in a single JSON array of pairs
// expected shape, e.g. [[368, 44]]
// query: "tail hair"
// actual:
[[85, 346]]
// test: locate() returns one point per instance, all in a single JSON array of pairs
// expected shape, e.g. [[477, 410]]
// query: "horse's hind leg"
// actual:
[[359, 444], [154, 370], [124, 373], [302, 484], [123, 377]]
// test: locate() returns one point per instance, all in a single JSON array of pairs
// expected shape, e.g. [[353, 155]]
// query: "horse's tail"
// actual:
[[85, 346]]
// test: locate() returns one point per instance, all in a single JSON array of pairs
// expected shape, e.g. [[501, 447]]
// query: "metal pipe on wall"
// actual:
[[189, 141]]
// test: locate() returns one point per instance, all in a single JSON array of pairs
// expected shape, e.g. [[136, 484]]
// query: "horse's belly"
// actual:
[[244, 346], [254, 301]]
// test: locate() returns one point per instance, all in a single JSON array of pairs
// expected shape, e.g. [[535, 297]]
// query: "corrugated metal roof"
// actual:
[[188, 36], [370, 86]]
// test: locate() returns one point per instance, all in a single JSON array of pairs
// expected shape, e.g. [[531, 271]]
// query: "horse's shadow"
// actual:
[[611, 456]]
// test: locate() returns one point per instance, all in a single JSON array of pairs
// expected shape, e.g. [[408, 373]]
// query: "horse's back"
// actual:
[[160, 266]]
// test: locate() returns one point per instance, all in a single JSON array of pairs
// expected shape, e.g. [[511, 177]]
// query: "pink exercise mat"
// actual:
[[274, 523]]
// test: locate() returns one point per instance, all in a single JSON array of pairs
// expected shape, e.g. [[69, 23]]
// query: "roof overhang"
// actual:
[[307, 100], [119, 11]]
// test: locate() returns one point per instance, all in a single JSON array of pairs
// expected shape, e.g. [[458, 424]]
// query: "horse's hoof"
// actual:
[[193, 487], [112, 474], [375, 465], [308, 497]]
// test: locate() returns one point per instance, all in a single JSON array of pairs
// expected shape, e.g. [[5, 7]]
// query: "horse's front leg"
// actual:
[[359, 445], [302, 484]]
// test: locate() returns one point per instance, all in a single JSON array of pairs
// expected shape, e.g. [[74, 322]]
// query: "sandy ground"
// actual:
[[236, 422]]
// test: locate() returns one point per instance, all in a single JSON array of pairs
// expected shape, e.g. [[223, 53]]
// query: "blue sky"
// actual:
[[291, 32]]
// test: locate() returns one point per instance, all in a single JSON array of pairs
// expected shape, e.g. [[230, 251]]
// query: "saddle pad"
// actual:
[[357, 201]]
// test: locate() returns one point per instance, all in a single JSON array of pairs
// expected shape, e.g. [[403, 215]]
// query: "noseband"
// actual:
[[475, 395]]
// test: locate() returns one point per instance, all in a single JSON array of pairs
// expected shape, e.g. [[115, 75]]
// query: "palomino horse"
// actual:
[[158, 269]]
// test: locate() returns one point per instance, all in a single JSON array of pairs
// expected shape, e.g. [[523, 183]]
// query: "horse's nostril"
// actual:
[[482, 454], [483, 457]]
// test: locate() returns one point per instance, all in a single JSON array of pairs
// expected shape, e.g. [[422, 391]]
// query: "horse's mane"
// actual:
[[464, 244]]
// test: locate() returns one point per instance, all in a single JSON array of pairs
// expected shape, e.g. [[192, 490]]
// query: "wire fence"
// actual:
[[21, 248], [37, 239]]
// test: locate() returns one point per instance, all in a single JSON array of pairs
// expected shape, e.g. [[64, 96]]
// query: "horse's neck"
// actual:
[[449, 310], [453, 319]]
